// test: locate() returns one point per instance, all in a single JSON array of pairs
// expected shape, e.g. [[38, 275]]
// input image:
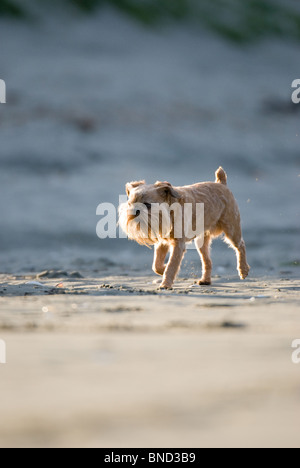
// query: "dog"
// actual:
[[154, 215]]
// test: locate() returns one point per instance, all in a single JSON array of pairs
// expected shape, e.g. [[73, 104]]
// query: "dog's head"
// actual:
[[146, 216]]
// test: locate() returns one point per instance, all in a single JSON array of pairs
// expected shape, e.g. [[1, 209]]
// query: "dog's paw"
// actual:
[[245, 272], [159, 271], [165, 287], [243, 276], [204, 283]]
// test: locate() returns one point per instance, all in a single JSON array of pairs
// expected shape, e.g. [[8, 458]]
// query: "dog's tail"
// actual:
[[221, 176]]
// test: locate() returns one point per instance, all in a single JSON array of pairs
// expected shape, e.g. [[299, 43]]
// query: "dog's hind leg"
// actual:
[[203, 248], [235, 239]]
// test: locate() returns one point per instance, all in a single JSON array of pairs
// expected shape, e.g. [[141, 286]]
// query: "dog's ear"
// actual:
[[166, 190], [133, 185]]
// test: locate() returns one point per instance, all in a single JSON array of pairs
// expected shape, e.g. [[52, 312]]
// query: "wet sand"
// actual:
[[112, 362]]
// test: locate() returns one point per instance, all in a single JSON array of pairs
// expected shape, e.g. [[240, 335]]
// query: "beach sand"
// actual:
[[100, 357], [112, 362]]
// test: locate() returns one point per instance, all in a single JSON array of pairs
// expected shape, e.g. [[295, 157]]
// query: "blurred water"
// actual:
[[104, 101]]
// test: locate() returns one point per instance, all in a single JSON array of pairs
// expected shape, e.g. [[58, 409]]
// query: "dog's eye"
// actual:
[[148, 206]]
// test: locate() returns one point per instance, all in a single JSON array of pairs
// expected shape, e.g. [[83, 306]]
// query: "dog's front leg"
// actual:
[[177, 253], [161, 251]]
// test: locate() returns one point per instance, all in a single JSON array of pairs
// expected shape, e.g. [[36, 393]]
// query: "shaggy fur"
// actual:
[[149, 226]]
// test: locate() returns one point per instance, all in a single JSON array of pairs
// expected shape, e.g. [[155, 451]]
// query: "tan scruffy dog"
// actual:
[[156, 215]]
